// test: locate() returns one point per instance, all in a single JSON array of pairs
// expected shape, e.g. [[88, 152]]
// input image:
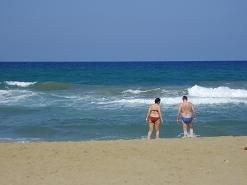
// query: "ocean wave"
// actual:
[[174, 101], [138, 91], [14, 96], [41, 86], [197, 95], [19, 84], [132, 101], [219, 92], [74, 97], [194, 91], [46, 86]]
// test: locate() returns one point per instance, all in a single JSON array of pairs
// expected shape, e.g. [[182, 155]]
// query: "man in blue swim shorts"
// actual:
[[186, 112]]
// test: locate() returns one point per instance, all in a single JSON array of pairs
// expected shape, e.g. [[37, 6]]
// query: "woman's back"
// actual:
[[155, 110]]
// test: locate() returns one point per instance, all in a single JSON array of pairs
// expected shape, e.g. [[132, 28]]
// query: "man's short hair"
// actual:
[[185, 98]]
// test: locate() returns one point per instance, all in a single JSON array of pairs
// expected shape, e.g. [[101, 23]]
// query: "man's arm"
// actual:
[[193, 111], [179, 112]]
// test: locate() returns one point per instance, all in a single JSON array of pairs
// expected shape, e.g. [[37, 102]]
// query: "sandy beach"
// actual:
[[166, 161]]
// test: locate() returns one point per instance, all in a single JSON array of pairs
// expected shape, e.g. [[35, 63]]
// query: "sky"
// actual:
[[123, 30]]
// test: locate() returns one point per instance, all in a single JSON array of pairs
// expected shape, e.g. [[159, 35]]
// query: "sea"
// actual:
[[78, 101]]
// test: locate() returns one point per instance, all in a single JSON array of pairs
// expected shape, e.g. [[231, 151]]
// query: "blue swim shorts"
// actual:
[[187, 120]]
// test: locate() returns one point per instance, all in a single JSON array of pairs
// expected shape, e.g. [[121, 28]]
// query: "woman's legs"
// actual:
[[157, 129], [150, 131]]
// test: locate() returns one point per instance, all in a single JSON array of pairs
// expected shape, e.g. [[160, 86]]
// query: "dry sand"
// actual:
[[199, 161]]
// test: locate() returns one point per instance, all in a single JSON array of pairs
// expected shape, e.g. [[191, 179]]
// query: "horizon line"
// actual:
[[98, 61]]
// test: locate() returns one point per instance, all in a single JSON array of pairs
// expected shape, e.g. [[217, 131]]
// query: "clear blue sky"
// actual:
[[123, 30]]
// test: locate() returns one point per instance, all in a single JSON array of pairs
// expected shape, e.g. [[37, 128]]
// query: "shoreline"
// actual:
[[204, 160], [114, 140]]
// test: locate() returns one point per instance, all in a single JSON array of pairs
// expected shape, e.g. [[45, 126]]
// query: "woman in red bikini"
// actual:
[[154, 118]]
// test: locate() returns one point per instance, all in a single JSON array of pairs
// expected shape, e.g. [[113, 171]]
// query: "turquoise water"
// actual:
[[84, 101]]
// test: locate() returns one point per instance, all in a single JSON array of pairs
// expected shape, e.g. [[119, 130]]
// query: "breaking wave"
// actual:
[[219, 92], [198, 95], [138, 91], [19, 84], [40, 86], [14, 96], [176, 101]]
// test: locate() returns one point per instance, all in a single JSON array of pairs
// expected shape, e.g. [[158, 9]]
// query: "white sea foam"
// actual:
[[219, 92], [197, 95], [19, 84], [131, 91], [170, 101], [69, 96], [203, 101], [18, 140], [13, 96], [141, 101], [197, 91], [133, 101], [138, 91]]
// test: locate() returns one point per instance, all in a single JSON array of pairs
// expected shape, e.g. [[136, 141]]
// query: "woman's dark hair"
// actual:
[[157, 100], [185, 98]]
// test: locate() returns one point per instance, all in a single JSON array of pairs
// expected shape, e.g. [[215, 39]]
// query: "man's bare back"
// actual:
[[186, 109]]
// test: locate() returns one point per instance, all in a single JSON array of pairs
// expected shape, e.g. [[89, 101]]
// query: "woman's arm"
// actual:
[[161, 117], [148, 113]]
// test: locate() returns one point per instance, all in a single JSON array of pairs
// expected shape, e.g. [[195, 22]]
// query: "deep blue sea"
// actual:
[[73, 101]]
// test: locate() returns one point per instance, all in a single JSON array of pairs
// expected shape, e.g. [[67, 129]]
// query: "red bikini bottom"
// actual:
[[153, 119]]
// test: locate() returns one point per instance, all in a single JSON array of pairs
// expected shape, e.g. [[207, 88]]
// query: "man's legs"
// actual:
[[185, 129], [190, 130]]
